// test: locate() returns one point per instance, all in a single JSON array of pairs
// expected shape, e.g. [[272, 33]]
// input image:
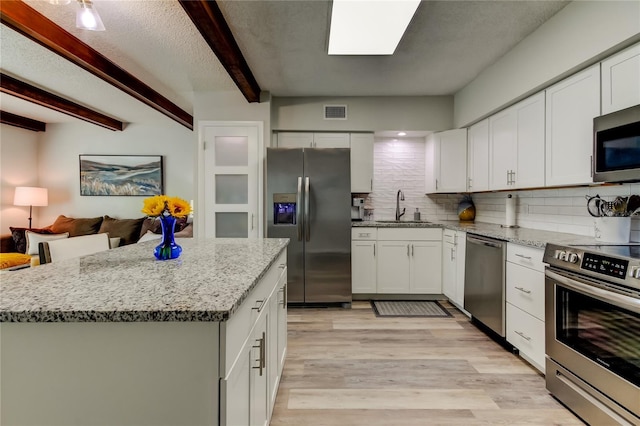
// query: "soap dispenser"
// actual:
[[416, 214]]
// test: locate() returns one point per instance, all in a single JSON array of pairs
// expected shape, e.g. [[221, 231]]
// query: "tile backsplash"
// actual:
[[400, 164]]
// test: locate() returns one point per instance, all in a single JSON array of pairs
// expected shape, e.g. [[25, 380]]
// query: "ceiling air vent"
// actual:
[[335, 112]]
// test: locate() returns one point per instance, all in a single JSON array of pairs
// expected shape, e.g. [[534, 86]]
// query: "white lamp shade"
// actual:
[[31, 196]]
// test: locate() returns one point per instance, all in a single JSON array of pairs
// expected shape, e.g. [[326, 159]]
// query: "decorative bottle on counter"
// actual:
[[466, 209]]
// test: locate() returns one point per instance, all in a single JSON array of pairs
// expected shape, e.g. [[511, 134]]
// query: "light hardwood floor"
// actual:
[[348, 367]]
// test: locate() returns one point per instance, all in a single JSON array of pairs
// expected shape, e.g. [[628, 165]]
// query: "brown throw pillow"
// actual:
[[76, 227], [127, 229], [20, 240], [153, 224]]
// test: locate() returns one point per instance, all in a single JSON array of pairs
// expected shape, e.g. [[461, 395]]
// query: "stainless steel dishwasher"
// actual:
[[484, 281]]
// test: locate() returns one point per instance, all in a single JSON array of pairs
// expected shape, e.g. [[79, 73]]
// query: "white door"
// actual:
[[621, 80], [449, 270], [231, 181], [331, 140], [453, 161], [361, 162], [571, 106], [529, 169], [478, 156], [426, 267], [431, 164], [295, 140], [393, 267], [502, 148], [363, 266]]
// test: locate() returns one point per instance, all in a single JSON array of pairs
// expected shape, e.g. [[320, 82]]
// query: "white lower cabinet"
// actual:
[[525, 302], [526, 332], [453, 259], [409, 261], [255, 346], [363, 260]]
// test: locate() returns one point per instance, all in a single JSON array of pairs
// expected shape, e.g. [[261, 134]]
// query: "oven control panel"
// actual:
[[605, 265]]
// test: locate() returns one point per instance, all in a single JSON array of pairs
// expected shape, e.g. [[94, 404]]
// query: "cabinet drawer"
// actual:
[[364, 233], [525, 289], [409, 234], [531, 257], [235, 331], [526, 333], [449, 236]]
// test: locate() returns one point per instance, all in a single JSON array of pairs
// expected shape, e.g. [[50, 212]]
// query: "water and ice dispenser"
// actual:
[[284, 209]]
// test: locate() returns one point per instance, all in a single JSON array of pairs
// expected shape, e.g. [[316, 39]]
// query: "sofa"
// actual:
[[24, 241]]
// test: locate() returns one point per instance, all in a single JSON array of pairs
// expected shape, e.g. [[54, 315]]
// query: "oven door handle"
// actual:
[[626, 302]]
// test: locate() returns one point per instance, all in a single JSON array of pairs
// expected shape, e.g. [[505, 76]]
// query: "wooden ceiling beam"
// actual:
[[22, 122], [22, 90], [32, 24], [208, 19]]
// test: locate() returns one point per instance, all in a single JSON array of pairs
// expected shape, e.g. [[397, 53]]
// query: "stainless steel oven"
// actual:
[[592, 320]]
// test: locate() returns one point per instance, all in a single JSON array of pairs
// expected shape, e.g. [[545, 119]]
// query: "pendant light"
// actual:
[[87, 17]]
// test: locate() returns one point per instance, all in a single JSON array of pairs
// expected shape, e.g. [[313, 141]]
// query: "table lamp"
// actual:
[[31, 196]]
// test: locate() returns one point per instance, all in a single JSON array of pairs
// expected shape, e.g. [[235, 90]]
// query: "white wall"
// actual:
[[18, 167], [400, 164], [579, 35], [365, 113], [59, 165]]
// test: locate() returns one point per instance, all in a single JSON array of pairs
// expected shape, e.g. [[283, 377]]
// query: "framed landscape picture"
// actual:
[[137, 175]]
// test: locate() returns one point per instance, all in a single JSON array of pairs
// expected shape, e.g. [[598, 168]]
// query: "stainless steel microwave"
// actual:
[[616, 146]]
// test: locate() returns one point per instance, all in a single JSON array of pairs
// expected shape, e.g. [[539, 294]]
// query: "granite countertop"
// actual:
[[524, 236], [206, 283]]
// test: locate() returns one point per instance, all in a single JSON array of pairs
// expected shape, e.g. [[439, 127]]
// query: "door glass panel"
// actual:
[[231, 151], [232, 225], [232, 189]]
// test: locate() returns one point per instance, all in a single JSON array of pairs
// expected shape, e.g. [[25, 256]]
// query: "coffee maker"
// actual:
[[357, 209]]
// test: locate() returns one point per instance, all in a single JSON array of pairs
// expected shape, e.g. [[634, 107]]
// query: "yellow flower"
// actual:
[[160, 204], [178, 207]]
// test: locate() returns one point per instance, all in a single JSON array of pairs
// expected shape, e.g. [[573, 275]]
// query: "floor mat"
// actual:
[[412, 308]]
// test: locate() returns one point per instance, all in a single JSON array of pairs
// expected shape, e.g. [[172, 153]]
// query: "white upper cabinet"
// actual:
[[361, 145], [621, 80], [478, 156], [294, 140], [361, 162], [331, 140], [430, 163], [516, 145], [446, 161], [571, 106]]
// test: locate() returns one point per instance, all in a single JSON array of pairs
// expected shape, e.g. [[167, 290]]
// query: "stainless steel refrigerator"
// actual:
[[309, 201]]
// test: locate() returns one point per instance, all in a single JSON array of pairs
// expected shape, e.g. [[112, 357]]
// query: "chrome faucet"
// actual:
[[399, 197]]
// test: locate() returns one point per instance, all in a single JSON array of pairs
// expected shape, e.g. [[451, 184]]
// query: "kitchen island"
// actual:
[[120, 338]]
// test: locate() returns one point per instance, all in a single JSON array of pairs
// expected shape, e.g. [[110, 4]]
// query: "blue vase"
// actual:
[[167, 249]]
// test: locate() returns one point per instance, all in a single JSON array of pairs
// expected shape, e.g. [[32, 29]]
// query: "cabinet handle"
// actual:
[[508, 176], [283, 290], [261, 348], [522, 289], [523, 256], [259, 308], [371, 184], [591, 163], [252, 221], [411, 250], [374, 249], [407, 250], [524, 336], [513, 177], [436, 184], [470, 183], [452, 253], [282, 266]]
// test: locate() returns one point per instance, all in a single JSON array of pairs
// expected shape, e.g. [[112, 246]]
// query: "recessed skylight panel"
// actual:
[[369, 27]]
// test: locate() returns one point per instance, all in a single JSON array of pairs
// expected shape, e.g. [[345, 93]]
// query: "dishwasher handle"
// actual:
[[488, 243]]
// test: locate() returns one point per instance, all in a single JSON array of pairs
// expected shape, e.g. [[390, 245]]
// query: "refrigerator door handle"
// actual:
[[299, 209], [307, 222]]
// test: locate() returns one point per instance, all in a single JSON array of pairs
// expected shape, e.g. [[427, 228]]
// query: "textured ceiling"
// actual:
[[284, 42]]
